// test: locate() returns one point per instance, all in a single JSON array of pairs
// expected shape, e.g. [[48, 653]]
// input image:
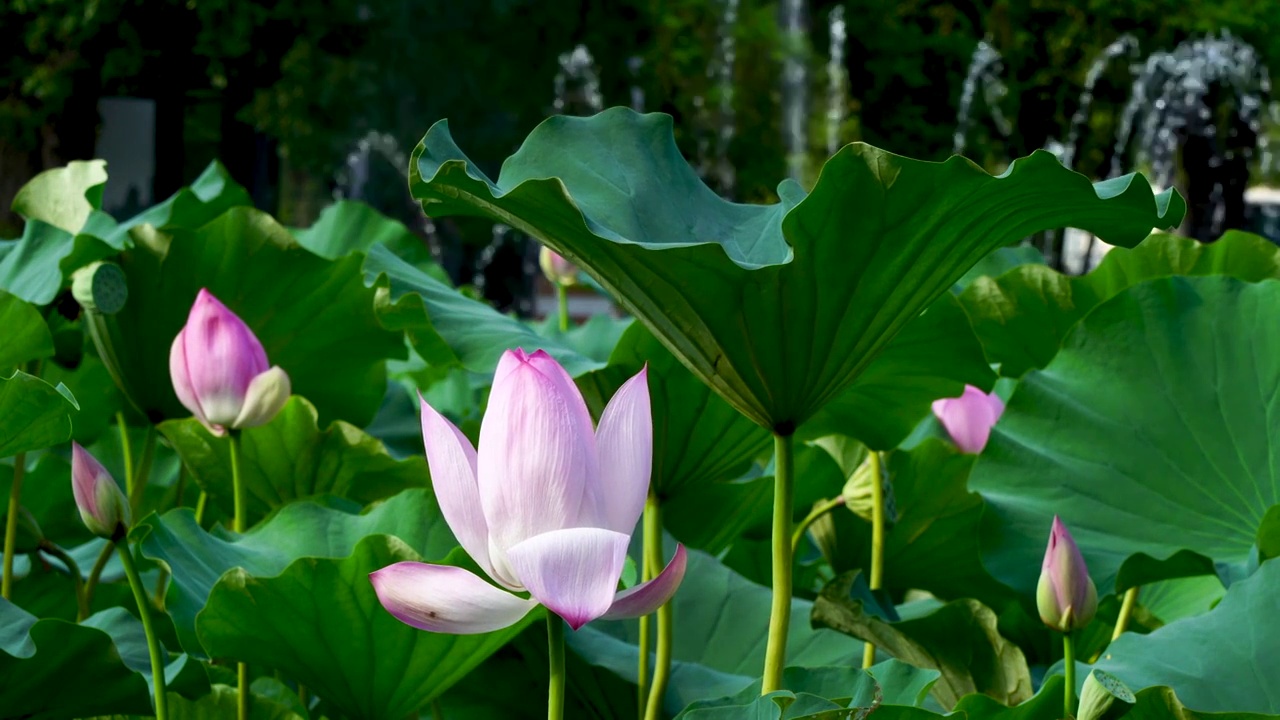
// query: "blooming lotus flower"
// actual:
[[102, 504], [556, 268], [969, 418], [220, 372], [1065, 596], [546, 506]]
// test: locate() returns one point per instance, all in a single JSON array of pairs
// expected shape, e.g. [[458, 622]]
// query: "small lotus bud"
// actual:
[[1066, 596], [969, 418], [219, 370], [1098, 698], [102, 505], [557, 269]]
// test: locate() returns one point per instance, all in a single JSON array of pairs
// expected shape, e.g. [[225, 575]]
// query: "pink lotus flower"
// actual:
[[969, 418], [556, 268], [1065, 595], [547, 506], [102, 505], [220, 372]]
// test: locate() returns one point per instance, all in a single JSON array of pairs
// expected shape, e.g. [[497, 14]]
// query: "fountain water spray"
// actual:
[[577, 84], [724, 170], [1124, 45], [837, 83], [984, 68], [795, 88]]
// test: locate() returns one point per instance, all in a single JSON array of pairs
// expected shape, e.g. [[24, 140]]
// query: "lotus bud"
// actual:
[[1066, 597], [558, 270], [220, 372], [102, 505], [1104, 697], [969, 418]]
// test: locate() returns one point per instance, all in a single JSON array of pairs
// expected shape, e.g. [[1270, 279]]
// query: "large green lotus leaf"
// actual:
[[33, 266], [349, 226], [320, 623], [1162, 703], [721, 625], [33, 414], [888, 683], [697, 437], [1022, 316], [221, 703], [63, 197], [291, 458], [1224, 660], [595, 338], [211, 194], [95, 392], [26, 335], [197, 558], [315, 317], [999, 262], [778, 307], [933, 357], [449, 328], [100, 660], [934, 544], [1151, 434], [960, 640]]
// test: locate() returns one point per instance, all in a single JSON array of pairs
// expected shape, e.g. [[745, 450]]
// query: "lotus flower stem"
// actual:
[[818, 511], [201, 502], [1069, 669], [775, 655], [1126, 611], [877, 543], [666, 619], [237, 486], [153, 643], [127, 450], [555, 649], [96, 572], [82, 608], [562, 300], [642, 671], [238, 524], [11, 524], [142, 471]]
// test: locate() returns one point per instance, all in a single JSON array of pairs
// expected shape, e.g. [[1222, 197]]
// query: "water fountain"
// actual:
[[1174, 107], [837, 82], [353, 181], [985, 68], [795, 91], [726, 121], [577, 84], [1124, 45], [634, 64]]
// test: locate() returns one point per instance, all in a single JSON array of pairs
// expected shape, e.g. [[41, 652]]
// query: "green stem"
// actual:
[[437, 713], [201, 502], [163, 577], [143, 471], [653, 561], [877, 543], [11, 524], [1126, 611], [82, 607], [305, 699], [562, 298], [1069, 667], [237, 524], [127, 450], [243, 695], [642, 685], [153, 643], [818, 511], [237, 486], [94, 574], [775, 656], [555, 649]]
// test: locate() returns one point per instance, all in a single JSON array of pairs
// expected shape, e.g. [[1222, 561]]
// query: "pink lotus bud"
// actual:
[[220, 372], [1066, 597], [102, 505], [557, 269], [969, 418]]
